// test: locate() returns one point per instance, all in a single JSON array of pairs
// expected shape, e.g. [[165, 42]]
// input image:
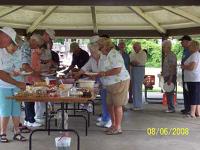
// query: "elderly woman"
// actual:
[[34, 48], [169, 72], [192, 77], [116, 79], [9, 108], [93, 66]]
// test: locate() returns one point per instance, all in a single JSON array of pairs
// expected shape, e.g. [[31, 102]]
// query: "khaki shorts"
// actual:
[[117, 94]]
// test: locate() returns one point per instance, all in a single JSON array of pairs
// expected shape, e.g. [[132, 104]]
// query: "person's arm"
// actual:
[[172, 68], [110, 72], [77, 75], [189, 66], [7, 78], [70, 68]]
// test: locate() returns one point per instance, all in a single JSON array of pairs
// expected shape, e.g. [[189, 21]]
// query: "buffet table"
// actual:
[[62, 100]]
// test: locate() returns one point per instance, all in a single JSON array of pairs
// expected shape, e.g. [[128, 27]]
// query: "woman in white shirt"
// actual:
[[93, 66], [116, 79], [192, 77]]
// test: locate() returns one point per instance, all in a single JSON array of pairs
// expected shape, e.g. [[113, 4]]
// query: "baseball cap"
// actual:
[[185, 37], [51, 33], [11, 33]]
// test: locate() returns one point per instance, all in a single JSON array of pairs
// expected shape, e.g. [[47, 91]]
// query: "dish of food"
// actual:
[[25, 73]]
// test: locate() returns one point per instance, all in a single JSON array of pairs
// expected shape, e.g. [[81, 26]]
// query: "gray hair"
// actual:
[[37, 38], [94, 47], [167, 43]]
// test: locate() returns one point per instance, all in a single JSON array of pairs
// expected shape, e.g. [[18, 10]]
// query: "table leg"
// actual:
[[46, 116], [63, 115]]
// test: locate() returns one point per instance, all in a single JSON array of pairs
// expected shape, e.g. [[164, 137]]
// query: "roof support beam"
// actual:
[[93, 11], [103, 2], [41, 18], [182, 13], [147, 18], [122, 33], [10, 10]]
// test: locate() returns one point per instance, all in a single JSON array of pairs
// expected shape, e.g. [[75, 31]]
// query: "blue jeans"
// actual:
[[105, 113]]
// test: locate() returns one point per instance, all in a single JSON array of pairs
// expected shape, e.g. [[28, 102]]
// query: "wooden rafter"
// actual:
[[9, 10], [182, 13], [147, 18], [41, 18], [93, 11]]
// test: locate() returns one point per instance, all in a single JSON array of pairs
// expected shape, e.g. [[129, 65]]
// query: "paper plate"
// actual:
[[48, 74], [23, 73], [168, 88]]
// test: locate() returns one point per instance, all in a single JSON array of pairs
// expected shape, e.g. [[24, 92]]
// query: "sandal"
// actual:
[[24, 129], [190, 116], [19, 137], [3, 138], [109, 129], [114, 132]]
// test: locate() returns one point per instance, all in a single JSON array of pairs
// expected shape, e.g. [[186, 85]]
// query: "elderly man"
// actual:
[[8, 41], [79, 58], [169, 73], [185, 42], [137, 62]]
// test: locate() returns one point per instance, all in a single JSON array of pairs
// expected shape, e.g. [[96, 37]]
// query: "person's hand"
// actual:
[[133, 63], [182, 66], [15, 73], [169, 82], [100, 74], [21, 85], [76, 75]]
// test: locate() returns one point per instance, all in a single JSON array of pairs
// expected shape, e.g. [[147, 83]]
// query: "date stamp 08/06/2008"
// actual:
[[167, 131]]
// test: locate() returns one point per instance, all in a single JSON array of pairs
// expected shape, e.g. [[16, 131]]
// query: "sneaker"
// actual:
[[81, 106], [103, 124], [25, 123], [40, 121], [99, 119], [108, 124], [170, 111], [35, 124], [90, 108]]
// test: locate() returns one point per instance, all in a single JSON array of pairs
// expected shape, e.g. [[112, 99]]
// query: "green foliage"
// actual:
[[177, 49], [60, 40], [153, 47]]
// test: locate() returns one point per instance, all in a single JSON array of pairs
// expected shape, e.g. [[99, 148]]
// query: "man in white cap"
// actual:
[[8, 41]]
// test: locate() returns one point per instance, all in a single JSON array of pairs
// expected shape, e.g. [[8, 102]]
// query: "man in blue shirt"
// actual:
[[185, 42]]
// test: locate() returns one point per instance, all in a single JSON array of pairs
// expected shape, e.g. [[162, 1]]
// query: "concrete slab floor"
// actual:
[[134, 137]]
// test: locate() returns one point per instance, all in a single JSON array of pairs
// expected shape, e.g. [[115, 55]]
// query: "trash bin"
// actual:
[[63, 143]]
